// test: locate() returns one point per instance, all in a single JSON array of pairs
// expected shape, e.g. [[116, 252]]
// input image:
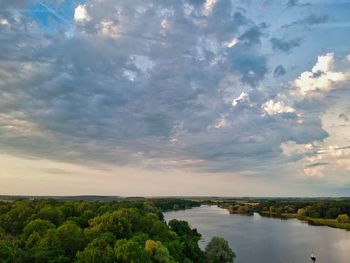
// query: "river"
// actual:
[[268, 240]]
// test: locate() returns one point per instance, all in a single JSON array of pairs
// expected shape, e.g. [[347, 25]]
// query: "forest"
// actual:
[[56, 231], [333, 212]]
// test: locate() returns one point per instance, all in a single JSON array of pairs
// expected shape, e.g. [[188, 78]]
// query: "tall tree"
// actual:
[[218, 251]]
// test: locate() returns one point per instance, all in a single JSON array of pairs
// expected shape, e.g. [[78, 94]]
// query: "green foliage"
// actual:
[[50, 213], [129, 251], [344, 218], [100, 250], [51, 231], [218, 251], [158, 253], [301, 212], [6, 252], [39, 226], [314, 208], [189, 239]]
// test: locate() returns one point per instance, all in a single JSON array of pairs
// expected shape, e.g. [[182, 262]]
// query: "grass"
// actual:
[[326, 222]]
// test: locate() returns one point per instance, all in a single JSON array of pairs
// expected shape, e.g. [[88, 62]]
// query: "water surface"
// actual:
[[268, 240]]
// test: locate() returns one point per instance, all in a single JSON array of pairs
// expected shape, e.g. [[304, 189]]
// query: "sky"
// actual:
[[181, 97]]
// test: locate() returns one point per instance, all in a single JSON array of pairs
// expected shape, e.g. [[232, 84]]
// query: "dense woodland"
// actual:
[[53, 231]]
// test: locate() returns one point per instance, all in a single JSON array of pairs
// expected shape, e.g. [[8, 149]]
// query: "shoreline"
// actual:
[[310, 220]]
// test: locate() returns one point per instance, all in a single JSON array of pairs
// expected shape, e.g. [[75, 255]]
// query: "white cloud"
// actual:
[[4, 22], [231, 43], [321, 78], [243, 97], [164, 24], [272, 108], [108, 28], [81, 14], [208, 7]]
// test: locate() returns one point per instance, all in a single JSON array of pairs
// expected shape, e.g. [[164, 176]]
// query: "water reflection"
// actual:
[[265, 240]]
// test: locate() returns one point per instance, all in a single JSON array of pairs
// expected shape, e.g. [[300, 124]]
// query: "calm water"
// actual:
[[268, 240]]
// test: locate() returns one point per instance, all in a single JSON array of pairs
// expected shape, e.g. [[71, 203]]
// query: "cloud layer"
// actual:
[[203, 86]]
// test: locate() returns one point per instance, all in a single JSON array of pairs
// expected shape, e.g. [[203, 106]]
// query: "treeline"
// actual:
[[167, 204], [328, 209], [51, 231], [334, 212]]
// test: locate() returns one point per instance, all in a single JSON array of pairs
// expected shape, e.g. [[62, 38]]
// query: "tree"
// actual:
[[38, 225], [70, 238], [182, 228], [301, 212], [218, 251], [189, 239], [6, 252], [51, 213], [100, 250], [332, 212], [344, 218], [129, 251], [158, 252]]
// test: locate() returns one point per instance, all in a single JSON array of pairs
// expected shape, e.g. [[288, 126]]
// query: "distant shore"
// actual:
[[312, 221]]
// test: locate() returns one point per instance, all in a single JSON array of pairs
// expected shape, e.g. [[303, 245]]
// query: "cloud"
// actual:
[[279, 71], [285, 45], [295, 3], [242, 98], [81, 14], [231, 43], [253, 35], [314, 171], [151, 84], [272, 107], [309, 21], [208, 7], [4, 22], [317, 164], [109, 28], [120, 88], [321, 78]]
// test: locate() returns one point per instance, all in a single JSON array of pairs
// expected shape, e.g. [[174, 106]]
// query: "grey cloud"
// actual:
[[284, 44], [279, 71], [295, 3], [310, 20], [251, 65], [317, 164], [9, 4], [253, 35]]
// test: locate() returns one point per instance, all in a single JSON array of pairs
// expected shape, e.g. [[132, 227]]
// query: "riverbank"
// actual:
[[312, 221]]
